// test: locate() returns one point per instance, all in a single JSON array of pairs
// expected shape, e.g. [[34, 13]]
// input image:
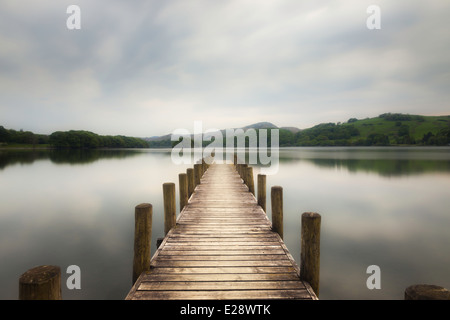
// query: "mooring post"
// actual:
[[190, 181], [170, 215], [310, 249], [277, 209], [197, 174], [249, 179], [183, 185], [426, 292], [243, 171], [262, 191], [40, 283], [142, 239]]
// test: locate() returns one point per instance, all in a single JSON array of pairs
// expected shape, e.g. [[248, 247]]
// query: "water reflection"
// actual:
[[68, 208], [10, 157], [383, 161]]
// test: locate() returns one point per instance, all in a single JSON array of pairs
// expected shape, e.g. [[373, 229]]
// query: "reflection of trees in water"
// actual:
[[385, 167], [21, 157], [76, 156], [86, 156]]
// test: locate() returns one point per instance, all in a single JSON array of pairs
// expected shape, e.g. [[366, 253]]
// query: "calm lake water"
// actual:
[[388, 207]]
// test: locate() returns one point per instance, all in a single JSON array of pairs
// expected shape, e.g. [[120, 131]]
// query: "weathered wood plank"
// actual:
[[170, 242], [224, 285], [219, 257], [222, 295], [151, 277], [218, 270], [221, 263], [222, 252]]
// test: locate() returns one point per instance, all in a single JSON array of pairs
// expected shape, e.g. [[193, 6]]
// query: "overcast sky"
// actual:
[[144, 68]]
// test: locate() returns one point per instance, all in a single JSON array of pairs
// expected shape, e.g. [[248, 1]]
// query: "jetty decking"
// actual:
[[222, 247]]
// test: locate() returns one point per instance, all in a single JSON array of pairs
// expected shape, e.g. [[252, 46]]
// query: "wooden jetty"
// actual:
[[222, 246]]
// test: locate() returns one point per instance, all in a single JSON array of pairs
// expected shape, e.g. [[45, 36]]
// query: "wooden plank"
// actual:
[[151, 277], [214, 285], [170, 242], [218, 270], [220, 263], [222, 295], [225, 237], [224, 252], [212, 248], [218, 257]]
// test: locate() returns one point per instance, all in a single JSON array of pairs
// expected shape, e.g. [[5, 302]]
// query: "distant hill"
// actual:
[[385, 130], [260, 125], [165, 140]]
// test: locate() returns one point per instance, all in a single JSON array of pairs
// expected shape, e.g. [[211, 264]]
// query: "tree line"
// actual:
[[10, 136], [325, 134], [89, 140], [331, 134], [73, 139]]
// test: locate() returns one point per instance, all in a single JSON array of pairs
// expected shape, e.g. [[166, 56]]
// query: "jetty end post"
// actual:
[[310, 250], [243, 171], [262, 191], [170, 215], [183, 185], [142, 239], [426, 292], [197, 174], [40, 283], [277, 209], [250, 180], [190, 178], [204, 166]]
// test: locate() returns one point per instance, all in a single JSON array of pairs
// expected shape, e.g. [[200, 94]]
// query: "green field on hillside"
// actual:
[[386, 129]]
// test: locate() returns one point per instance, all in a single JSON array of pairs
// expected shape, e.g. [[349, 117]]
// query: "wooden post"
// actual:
[[170, 215], [249, 179], [41, 283], [203, 166], [277, 209], [197, 174], [242, 173], [142, 239], [310, 250], [262, 191], [426, 292], [190, 180], [183, 184]]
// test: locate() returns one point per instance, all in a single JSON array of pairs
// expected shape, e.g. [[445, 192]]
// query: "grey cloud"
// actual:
[[148, 67]]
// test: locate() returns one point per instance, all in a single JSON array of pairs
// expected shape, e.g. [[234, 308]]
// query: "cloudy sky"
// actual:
[[144, 68]]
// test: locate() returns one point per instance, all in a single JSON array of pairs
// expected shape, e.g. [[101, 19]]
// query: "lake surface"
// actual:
[[388, 207]]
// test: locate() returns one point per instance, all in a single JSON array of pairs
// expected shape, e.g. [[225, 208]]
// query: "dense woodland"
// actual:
[[74, 139]]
